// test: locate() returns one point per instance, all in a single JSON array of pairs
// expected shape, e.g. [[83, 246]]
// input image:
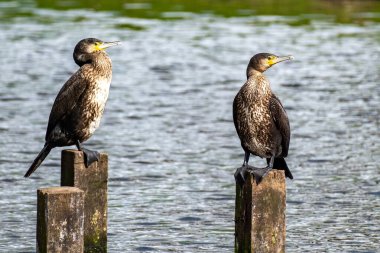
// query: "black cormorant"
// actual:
[[80, 103], [260, 120]]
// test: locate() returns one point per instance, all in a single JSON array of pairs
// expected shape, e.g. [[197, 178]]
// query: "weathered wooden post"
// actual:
[[93, 181], [260, 214], [60, 219]]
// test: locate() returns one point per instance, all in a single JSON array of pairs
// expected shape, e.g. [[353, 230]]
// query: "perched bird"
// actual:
[[260, 120], [80, 103]]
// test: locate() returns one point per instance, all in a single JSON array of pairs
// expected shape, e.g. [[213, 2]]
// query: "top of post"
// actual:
[[59, 190]]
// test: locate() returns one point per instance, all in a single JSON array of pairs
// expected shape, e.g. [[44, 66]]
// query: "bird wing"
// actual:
[[281, 121], [240, 113], [66, 99], [234, 111]]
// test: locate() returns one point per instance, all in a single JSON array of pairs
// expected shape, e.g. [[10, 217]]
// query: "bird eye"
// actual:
[[270, 57]]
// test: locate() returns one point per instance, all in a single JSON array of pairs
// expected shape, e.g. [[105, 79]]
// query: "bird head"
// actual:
[[263, 61], [85, 49]]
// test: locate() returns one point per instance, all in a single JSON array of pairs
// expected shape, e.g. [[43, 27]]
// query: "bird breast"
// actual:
[[253, 116], [96, 102], [101, 91], [259, 122]]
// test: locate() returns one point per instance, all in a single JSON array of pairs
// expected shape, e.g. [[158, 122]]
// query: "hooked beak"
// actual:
[[108, 44], [283, 58]]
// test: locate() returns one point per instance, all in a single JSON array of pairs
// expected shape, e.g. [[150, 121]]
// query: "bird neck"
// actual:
[[253, 72], [259, 84], [101, 62], [98, 60]]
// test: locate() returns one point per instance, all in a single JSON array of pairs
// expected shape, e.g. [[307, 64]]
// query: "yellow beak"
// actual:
[[282, 58], [105, 45]]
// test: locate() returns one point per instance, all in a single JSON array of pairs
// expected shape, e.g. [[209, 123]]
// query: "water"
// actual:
[[168, 125]]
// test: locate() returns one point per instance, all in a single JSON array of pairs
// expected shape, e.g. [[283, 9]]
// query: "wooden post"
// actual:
[[93, 181], [60, 219], [260, 214]]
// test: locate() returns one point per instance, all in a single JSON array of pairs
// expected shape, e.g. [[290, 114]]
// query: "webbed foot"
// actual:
[[241, 173], [258, 173], [90, 156]]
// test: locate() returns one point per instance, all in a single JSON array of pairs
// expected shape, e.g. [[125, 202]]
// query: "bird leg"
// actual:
[[90, 156], [241, 171]]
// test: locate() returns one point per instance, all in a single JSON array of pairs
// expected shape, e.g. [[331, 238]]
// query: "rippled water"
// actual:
[[169, 133]]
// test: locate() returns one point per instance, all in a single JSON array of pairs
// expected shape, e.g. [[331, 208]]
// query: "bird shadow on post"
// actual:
[[260, 214], [93, 181]]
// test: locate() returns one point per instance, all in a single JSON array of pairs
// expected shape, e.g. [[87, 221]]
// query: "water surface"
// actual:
[[168, 123]]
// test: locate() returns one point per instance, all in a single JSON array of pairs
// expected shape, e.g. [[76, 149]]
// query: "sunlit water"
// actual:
[[169, 133]]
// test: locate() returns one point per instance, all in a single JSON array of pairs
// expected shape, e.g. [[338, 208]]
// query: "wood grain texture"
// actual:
[[260, 214], [93, 181], [60, 217]]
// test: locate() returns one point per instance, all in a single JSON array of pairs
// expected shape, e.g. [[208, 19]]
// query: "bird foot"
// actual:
[[241, 174], [90, 156], [258, 173]]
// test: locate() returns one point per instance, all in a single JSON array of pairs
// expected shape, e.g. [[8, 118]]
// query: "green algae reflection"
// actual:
[[340, 11]]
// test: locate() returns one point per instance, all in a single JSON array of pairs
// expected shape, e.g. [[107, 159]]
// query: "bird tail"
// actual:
[[280, 164], [39, 159]]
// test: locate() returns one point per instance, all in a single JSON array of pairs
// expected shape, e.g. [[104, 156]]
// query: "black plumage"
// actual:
[[260, 120], [80, 103]]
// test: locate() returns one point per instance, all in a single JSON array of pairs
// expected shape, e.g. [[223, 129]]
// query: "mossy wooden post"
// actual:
[[60, 219], [93, 181], [260, 214]]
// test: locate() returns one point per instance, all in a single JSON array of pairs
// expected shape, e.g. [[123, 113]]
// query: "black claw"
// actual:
[[90, 156], [239, 175], [258, 178], [259, 173]]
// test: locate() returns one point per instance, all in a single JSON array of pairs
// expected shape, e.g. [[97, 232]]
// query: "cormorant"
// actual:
[[260, 120], [80, 103]]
